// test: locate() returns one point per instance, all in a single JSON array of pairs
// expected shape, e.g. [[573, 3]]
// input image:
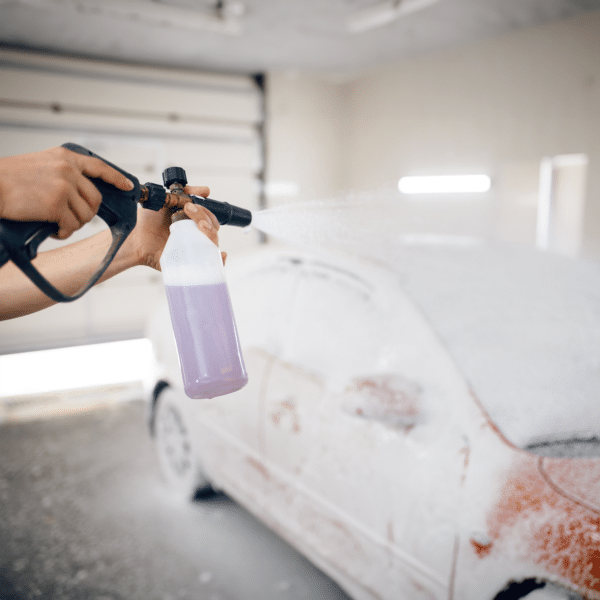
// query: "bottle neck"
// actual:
[[179, 216]]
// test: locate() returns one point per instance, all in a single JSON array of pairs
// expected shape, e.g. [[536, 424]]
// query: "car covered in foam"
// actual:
[[425, 427]]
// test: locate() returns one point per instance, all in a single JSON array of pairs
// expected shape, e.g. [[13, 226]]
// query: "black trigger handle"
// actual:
[[19, 241]]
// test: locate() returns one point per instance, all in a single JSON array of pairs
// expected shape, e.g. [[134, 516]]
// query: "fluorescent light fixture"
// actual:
[[79, 367], [384, 13], [155, 13], [444, 184]]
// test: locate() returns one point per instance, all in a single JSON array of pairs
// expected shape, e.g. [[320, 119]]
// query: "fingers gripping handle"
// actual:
[[118, 209], [19, 241]]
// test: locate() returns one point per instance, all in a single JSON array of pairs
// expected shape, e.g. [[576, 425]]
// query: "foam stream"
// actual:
[[374, 228]]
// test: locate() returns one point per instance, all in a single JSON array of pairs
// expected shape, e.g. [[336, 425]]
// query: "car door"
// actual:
[[372, 452], [262, 291]]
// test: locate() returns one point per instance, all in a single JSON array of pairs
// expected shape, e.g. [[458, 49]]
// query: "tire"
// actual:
[[552, 591], [175, 450], [534, 589]]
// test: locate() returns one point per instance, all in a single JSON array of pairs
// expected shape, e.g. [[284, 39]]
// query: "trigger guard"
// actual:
[[119, 235], [118, 210]]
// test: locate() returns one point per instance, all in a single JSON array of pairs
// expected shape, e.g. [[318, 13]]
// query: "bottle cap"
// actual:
[[178, 216], [174, 175]]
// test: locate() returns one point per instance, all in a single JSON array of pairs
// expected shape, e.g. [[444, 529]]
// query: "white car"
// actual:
[[425, 429]]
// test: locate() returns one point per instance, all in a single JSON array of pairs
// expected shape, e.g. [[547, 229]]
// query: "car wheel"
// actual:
[[175, 448], [535, 589], [551, 591]]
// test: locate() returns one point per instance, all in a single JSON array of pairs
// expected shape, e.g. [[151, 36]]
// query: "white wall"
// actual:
[[305, 124], [497, 107]]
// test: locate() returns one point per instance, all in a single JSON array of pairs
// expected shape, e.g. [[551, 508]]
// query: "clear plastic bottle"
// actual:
[[201, 314]]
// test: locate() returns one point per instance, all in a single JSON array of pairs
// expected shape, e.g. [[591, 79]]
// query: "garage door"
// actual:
[[143, 120]]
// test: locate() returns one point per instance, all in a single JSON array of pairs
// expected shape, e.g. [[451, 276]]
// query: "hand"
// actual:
[[53, 186], [206, 221], [147, 241]]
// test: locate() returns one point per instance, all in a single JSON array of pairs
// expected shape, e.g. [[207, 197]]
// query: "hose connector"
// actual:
[[226, 213]]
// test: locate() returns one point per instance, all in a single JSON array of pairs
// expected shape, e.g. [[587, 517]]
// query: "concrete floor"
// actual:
[[84, 515]]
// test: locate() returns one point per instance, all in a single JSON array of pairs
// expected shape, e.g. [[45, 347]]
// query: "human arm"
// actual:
[[71, 266]]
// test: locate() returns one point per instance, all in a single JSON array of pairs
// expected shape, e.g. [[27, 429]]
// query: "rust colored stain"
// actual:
[[390, 532], [467, 456], [581, 484], [421, 589], [388, 398], [259, 467], [347, 533], [287, 407], [391, 397], [562, 535], [467, 452], [489, 424], [481, 550]]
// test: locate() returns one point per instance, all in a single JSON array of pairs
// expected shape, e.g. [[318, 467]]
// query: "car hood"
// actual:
[[579, 480]]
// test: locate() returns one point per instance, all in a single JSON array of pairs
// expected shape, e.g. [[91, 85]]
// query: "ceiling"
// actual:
[[252, 36]]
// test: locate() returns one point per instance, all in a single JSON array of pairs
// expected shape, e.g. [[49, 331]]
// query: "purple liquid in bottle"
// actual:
[[207, 341]]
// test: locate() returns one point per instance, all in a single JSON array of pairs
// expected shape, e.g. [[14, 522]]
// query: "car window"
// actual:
[[262, 298], [337, 328]]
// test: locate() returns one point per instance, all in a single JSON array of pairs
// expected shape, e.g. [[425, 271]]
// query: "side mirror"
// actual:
[[388, 398]]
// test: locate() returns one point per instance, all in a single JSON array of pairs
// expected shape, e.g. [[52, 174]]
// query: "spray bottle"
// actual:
[[201, 314]]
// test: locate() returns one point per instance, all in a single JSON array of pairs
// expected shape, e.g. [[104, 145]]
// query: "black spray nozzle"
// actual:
[[226, 214]]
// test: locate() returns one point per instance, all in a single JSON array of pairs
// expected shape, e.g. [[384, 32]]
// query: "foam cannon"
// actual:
[[20, 240]]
